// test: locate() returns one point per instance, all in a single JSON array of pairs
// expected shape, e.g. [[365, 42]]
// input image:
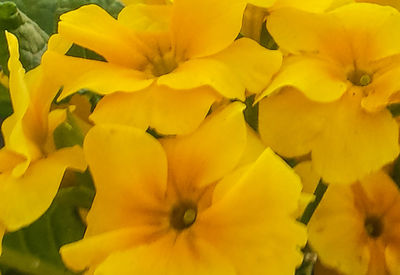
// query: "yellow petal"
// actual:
[[254, 216], [130, 109], [320, 80], [336, 232], [91, 251], [102, 77], [262, 3], [289, 122], [354, 32], [179, 111], [253, 64], [201, 28], [205, 72], [169, 255], [9, 159], [26, 198], [308, 175], [310, 5], [210, 152], [297, 31], [254, 147], [58, 44], [18, 90], [92, 27], [354, 143], [384, 88], [373, 29], [130, 169], [146, 17]]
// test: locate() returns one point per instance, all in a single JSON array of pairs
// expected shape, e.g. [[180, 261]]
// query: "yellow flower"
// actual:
[[344, 65], [356, 228], [182, 208], [31, 168], [166, 64]]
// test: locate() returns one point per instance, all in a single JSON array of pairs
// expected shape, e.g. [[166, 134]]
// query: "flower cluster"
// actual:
[[183, 184]]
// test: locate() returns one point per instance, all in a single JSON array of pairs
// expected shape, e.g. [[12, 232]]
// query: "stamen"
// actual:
[[365, 79], [359, 78]]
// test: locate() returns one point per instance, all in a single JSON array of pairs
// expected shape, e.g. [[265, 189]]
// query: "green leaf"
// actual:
[[68, 133], [5, 103], [32, 39], [34, 249], [251, 112], [46, 12]]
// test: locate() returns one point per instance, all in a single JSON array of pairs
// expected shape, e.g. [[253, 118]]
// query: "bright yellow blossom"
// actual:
[[166, 64], [344, 65], [31, 168], [356, 228], [181, 207]]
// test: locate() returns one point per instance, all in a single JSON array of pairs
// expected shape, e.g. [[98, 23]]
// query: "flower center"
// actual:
[[359, 78], [183, 215], [164, 64], [374, 226]]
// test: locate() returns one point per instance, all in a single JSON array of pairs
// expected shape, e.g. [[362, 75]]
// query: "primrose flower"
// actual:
[[31, 168], [356, 228], [185, 206], [166, 64], [341, 75]]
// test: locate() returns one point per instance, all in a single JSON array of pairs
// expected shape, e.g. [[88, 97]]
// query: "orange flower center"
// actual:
[[374, 226], [183, 215]]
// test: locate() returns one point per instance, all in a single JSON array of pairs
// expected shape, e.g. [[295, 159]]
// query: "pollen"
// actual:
[[360, 78]]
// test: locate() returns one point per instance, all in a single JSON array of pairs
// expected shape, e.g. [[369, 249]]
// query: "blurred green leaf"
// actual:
[[34, 249], [32, 39], [5, 103], [68, 133], [46, 12], [251, 112]]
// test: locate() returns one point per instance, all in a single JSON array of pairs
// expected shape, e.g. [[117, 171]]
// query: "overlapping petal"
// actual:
[[346, 142], [319, 79], [25, 198], [92, 251], [289, 122], [169, 255], [92, 27], [242, 209], [105, 78], [202, 28], [131, 164], [212, 151]]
